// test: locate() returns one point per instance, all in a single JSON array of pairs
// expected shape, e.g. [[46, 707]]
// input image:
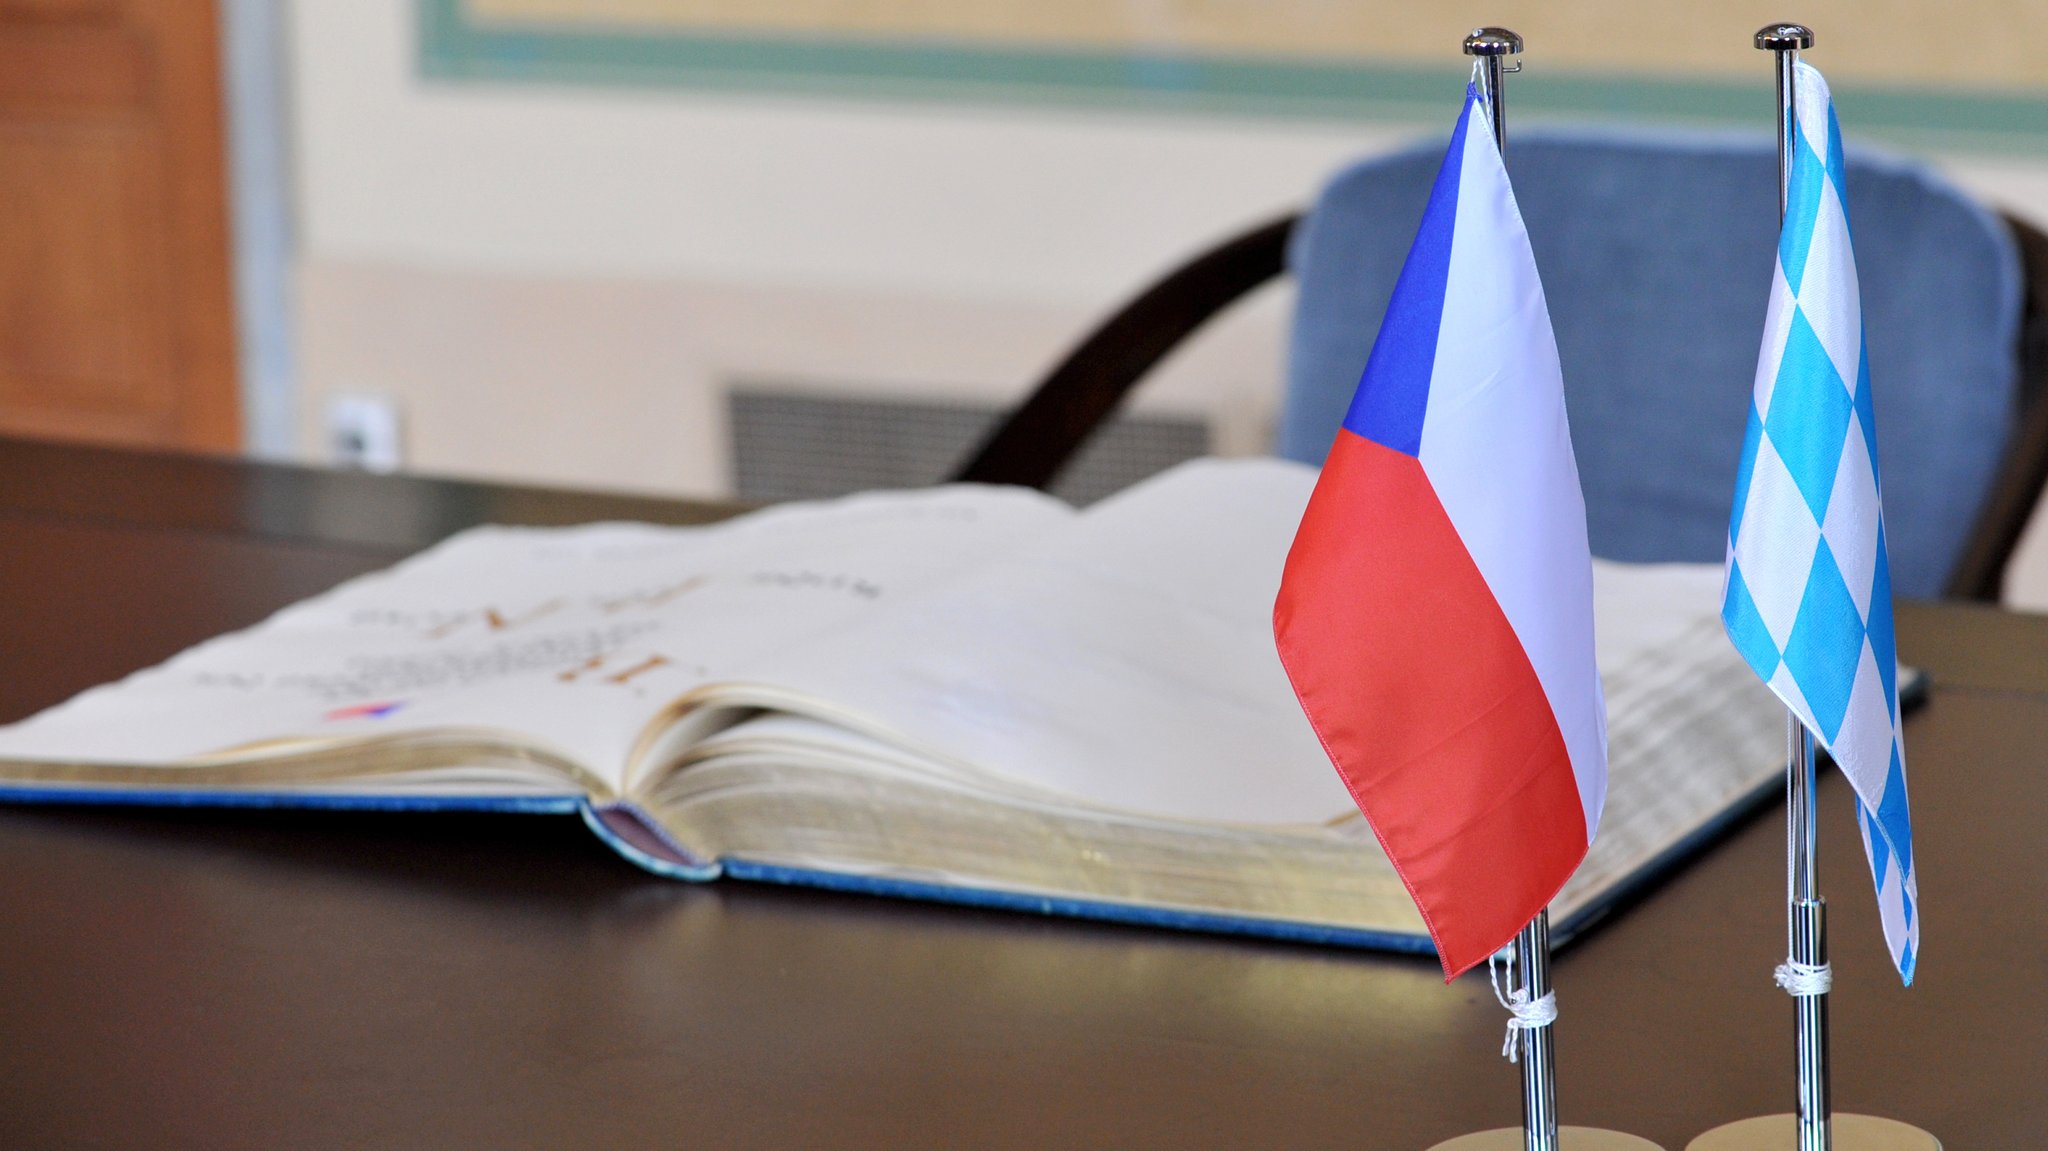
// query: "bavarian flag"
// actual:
[[1809, 592], [1436, 611]]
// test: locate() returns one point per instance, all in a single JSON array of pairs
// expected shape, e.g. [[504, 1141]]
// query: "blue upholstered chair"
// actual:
[[1656, 254]]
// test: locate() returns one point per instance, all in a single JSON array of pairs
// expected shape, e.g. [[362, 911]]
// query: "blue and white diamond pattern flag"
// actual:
[[1809, 597]]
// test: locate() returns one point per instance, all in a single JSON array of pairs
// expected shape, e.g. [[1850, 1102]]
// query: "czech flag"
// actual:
[[1436, 612]]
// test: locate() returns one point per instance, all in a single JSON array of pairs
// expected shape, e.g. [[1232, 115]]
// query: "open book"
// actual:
[[964, 693]]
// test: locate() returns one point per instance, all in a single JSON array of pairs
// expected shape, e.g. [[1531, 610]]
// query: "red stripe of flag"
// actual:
[[1426, 702]]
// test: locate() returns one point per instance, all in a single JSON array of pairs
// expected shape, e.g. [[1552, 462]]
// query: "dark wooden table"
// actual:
[[218, 979]]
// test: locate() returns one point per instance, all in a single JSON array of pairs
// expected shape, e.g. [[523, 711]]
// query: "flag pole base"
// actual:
[[1851, 1132], [1568, 1139]]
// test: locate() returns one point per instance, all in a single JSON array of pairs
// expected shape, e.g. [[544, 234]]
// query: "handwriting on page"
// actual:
[[439, 623], [817, 581], [442, 623], [411, 672], [609, 638], [495, 620], [614, 671]]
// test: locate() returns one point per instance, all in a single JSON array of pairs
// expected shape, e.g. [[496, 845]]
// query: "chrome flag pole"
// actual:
[[1539, 1062], [1806, 974], [1529, 997], [1531, 971]]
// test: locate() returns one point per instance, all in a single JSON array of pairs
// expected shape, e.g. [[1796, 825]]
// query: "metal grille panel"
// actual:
[[790, 445]]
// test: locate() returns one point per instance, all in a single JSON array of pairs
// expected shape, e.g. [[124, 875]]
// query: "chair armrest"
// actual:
[[1032, 443]]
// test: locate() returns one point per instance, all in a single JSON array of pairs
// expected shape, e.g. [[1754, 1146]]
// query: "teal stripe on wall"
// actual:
[[453, 47]]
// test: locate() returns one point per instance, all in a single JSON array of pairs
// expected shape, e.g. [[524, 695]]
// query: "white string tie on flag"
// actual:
[[1527, 1014], [1804, 980]]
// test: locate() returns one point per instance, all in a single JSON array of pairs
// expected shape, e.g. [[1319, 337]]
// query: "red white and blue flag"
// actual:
[[1436, 613]]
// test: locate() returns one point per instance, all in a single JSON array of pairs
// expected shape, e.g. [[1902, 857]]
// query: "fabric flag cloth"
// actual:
[[1436, 610], [1809, 593]]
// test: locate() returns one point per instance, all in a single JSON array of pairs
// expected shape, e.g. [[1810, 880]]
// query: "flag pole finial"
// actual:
[[1784, 37], [1493, 42], [1492, 47]]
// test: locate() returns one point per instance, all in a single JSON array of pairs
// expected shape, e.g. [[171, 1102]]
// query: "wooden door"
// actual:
[[116, 317]]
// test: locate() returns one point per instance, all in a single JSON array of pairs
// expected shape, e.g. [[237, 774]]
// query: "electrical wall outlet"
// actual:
[[362, 432]]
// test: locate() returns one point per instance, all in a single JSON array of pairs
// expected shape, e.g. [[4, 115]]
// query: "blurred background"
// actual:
[[777, 248]]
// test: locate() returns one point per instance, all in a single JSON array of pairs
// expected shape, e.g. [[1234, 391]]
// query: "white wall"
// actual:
[[665, 243], [1022, 205]]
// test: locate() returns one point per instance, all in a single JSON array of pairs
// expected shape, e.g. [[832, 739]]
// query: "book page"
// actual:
[[1127, 660], [570, 638], [1691, 732]]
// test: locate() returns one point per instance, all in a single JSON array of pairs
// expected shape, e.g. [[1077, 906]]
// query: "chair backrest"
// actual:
[[1656, 256]]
